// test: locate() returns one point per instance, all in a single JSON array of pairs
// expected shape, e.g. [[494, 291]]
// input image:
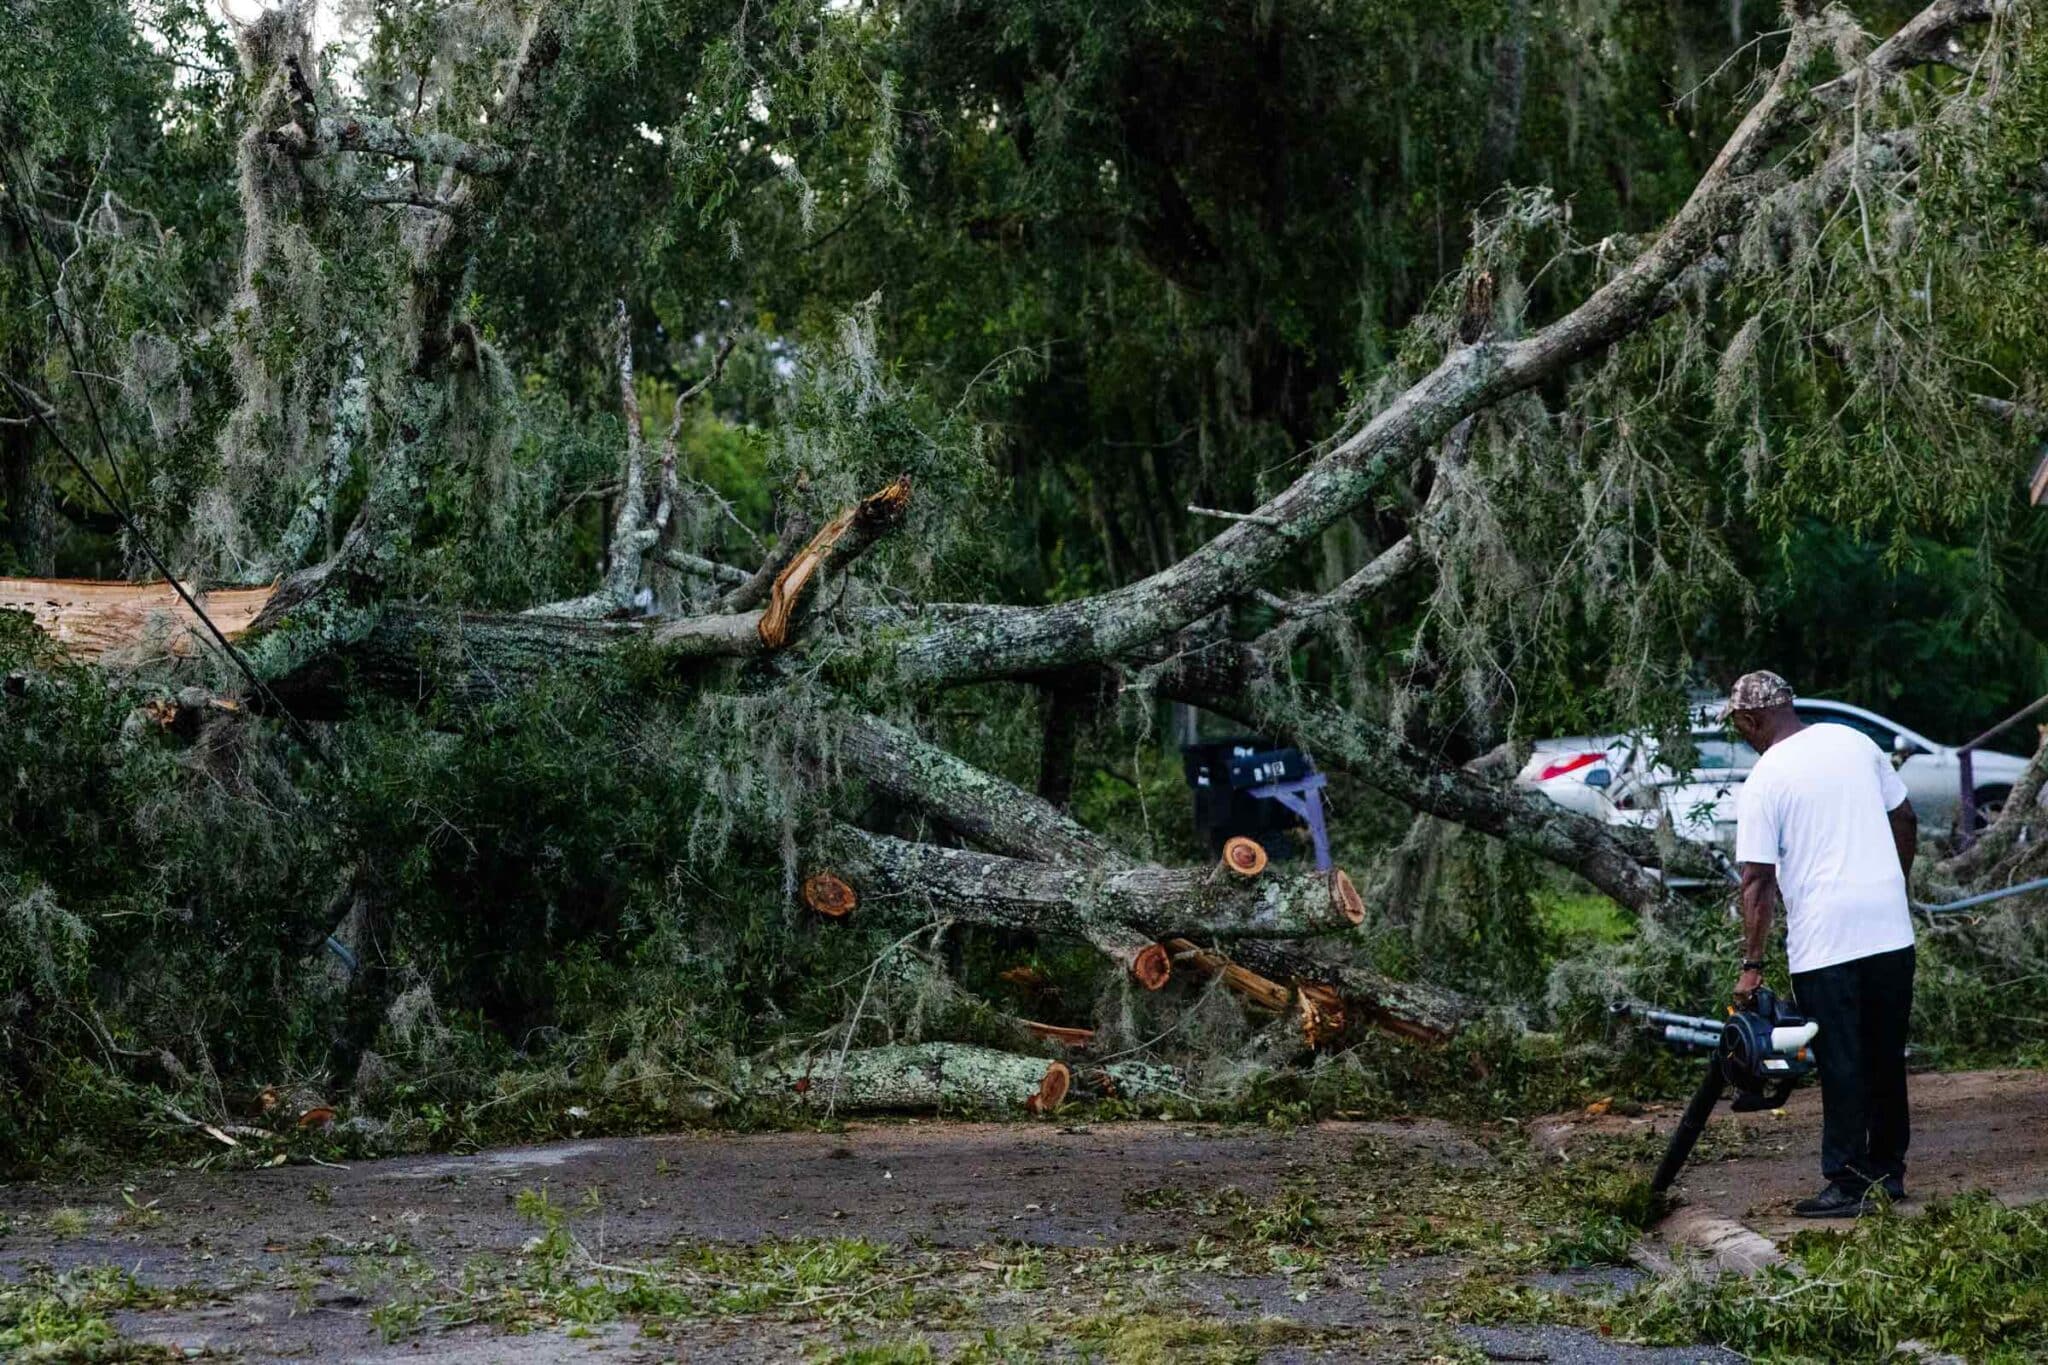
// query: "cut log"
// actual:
[[1410, 1009], [1245, 857], [1052, 1089], [916, 1076], [983, 888], [91, 619], [837, 544], [829, 896], [1002, 816], [1344, 896], [1148, 964], [1329, 997]]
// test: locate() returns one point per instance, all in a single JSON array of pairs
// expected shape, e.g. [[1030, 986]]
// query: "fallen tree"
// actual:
[[810, 634]]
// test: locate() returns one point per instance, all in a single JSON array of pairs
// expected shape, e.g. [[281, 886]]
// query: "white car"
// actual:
[[1932, 772], [1617, 778]]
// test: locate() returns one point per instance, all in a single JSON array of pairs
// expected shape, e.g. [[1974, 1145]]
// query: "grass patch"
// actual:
[[1511, 1211], [1967, 1276], [50, 1317]]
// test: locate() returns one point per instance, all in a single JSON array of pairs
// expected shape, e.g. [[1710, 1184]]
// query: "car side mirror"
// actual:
[[1902, 749], [1600, 778]]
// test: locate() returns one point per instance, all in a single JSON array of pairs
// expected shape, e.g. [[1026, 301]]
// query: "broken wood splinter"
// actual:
[[836, 543]]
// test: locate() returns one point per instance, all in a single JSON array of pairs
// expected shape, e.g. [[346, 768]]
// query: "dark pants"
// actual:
[[1863, 1008]]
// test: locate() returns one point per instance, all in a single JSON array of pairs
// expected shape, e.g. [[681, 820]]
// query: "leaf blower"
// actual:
[[1761, 1053]]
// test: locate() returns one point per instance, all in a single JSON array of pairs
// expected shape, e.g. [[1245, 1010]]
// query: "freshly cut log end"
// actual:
[[1344, 897], [1245, 857], [1322, 1012], [1152, 968], [830, 895], [1052, 1091]]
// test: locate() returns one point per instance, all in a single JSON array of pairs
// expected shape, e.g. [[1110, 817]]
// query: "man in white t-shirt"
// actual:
[[1823, 822]]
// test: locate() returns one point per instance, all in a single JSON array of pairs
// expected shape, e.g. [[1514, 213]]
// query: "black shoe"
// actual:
[[1836, 1201], [1894, 1187]]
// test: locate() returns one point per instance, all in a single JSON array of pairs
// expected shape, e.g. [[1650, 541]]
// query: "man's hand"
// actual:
[[1746, 986]]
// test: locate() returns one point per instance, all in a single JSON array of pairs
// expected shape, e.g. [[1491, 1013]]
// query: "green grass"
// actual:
[[53, 1317], [1967, 1276]]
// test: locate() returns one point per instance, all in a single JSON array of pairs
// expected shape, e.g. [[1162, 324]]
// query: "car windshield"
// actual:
[[1718, 753]]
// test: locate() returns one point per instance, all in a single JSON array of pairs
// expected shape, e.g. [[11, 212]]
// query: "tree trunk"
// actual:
[[985, 888], [916, 1076]]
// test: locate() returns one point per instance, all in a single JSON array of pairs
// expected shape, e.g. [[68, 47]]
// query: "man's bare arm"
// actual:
[[1905, 835], [1759, 905]]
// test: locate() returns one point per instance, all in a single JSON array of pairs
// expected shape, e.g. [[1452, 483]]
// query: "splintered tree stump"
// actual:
[[837, 543], [1245, 857], [1322, 1013], [1344, 897], [830, 895]]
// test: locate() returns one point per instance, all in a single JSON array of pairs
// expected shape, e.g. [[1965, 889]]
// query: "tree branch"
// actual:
[[1236, 680], [374, 136], [1023, 640]]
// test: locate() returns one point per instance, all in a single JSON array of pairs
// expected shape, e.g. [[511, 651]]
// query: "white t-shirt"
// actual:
[[1815, 805]]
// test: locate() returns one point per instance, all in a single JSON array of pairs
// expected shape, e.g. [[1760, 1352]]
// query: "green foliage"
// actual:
[[1968, 1276], [63, 1316]]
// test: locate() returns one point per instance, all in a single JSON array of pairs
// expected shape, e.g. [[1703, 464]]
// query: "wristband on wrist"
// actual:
[[1753, 965]]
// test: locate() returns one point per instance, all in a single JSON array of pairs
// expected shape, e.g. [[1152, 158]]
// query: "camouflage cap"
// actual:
[[1758, 691]]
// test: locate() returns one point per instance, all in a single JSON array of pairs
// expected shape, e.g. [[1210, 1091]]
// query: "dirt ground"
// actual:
[[1972, 1130], [995, 1242]]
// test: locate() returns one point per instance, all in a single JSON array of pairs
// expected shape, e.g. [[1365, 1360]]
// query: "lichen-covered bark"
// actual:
[[910, 1076], [986, 888], [975, 804]]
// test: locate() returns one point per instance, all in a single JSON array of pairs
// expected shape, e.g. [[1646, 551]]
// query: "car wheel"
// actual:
[[1990, 801]]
